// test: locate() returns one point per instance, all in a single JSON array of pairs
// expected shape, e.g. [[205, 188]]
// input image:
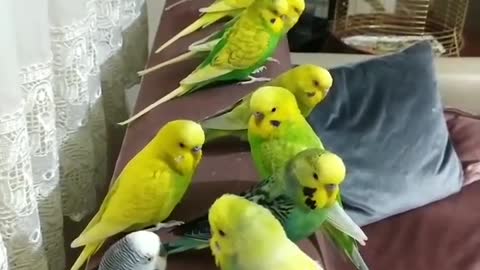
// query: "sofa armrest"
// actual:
[[459, 78]]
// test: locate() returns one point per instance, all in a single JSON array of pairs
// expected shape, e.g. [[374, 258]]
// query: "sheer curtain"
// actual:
[[64, 70]]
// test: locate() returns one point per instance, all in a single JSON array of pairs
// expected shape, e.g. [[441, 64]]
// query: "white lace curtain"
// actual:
[[64, 68]]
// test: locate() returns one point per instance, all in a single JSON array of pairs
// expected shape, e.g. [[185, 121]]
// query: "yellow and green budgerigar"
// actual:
[[303, 199], [277, 131], [308, 83], [247, 236], [201, 48], [218, 10], [148, 188], [243, 49]]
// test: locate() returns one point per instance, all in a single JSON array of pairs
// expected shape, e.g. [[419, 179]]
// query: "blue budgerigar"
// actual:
[[140, 250]]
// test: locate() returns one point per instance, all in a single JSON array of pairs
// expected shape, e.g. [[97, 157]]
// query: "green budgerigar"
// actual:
[[201, 48], [308, 83], [243, 49], [246, 236], [303, 201], [277, 130]]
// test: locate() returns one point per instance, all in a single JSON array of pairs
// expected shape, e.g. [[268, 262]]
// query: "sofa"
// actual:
[[443, 235]]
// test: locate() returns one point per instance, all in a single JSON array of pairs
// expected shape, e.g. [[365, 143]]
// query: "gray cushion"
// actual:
[[384, 117]]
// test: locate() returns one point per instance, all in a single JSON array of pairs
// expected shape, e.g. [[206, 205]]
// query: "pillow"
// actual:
[[385, 119], [464, 129]]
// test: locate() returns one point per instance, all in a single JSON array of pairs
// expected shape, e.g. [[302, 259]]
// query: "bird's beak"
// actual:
[[331, 188], [258, 117], [163, 251], [197, 149]]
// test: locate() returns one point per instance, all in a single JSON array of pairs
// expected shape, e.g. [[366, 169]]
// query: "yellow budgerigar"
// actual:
[[247, 236], [308, 83], [217, 10], [148, 188], [243, 49]]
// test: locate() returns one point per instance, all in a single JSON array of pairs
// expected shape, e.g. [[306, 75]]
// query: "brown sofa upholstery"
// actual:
[[440, 236]]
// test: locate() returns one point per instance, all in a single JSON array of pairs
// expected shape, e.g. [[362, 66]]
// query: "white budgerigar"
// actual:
[[140, 250]]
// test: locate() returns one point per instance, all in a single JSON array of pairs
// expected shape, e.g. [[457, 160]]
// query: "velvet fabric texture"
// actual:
[[384, 117], [464, 130]]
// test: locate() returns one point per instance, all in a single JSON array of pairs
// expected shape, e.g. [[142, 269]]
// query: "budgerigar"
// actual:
[[308, 83], [140, 250], [148, 188], [201, 48], [303, 201], [218, 10], [246, 236], [243, 49], [277, 131]]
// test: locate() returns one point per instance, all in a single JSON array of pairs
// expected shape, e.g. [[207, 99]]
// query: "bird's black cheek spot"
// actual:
[[275, 123], [217, 245], [273, 20], [310, 203], [308, 192]]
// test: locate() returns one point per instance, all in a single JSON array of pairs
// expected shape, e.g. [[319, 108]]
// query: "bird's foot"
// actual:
[[252, 79], [271, 59], [260, 69], [165, 225]]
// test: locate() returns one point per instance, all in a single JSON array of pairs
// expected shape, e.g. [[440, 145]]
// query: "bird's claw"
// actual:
[[165, 225], [271, 59], [260, 69], [252, 79]]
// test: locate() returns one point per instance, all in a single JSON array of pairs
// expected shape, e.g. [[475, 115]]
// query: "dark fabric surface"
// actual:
[[222, 169], [444, 235], [385, 119], [464, 129]]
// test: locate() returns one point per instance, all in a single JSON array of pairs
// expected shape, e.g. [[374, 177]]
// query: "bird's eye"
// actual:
[[315, 176], [274, 109], [149, 259], [316, 83], [297, 10], [222, 233], [272, 20], [181, 145]]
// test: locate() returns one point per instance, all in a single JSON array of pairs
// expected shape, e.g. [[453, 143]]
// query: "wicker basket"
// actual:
[[391, 28]]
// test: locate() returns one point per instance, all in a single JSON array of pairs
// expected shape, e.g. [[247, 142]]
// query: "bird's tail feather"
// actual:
[[182, 57], [177, 92], [214, 134], [345, 244], [87, 252], [343, 222], [184, 244], [205, 19]]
